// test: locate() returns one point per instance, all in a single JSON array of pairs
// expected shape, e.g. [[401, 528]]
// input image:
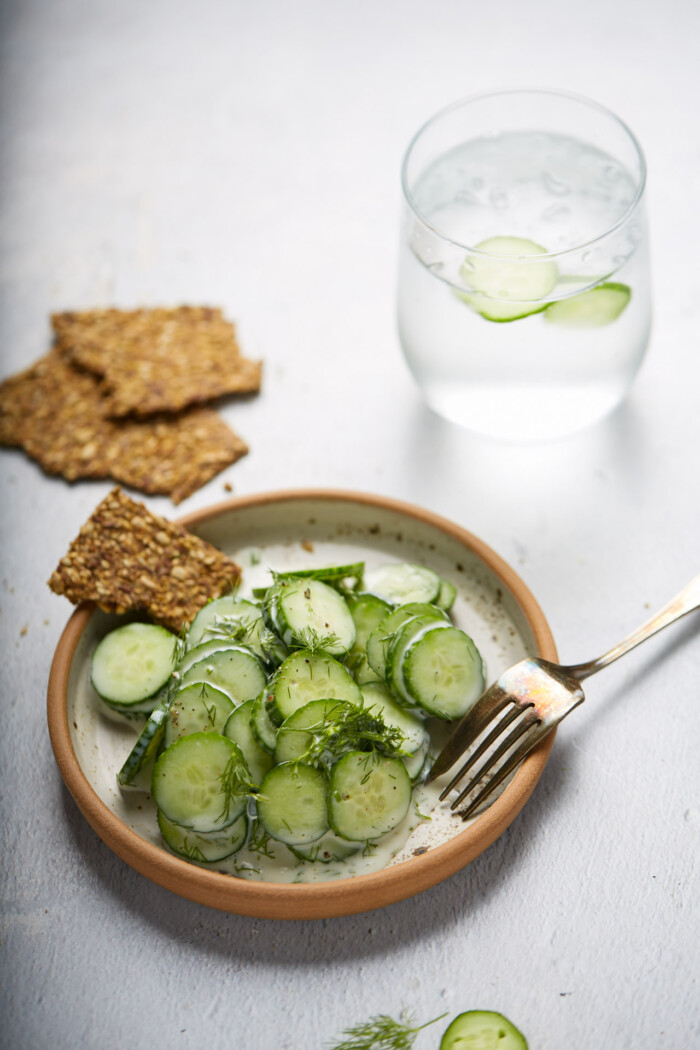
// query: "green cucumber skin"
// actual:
[[310, 820], [211, 811]]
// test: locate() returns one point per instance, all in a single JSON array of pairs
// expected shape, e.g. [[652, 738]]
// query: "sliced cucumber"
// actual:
[[334, 574], [592, 309], [238, 728], [237, 619], [296, 734], [407, 635], [330, 847], [368, 611], [442, 672], [233, 668], [147, 745], [446, 595], [402, 582], [415, 763], [263, 728], [506, 284], [202, 847], [369, 794], [221, 618], [198, 708], [482, 1030], [292, 803], [309, 612], [132, 663], [382, 636], [379, 700], [306, 676], [201, 782]]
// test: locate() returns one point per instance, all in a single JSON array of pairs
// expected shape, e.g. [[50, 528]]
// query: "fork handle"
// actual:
[[685, 602]]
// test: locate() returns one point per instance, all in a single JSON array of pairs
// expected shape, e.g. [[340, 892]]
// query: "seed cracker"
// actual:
[[55, 413], [127, 559], [157, 360]]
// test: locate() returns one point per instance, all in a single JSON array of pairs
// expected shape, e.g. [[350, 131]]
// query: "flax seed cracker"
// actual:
[[55, 413], [157, 360], [127, 559]]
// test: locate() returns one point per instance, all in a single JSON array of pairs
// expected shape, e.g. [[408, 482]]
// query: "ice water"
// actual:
[[542, 367]]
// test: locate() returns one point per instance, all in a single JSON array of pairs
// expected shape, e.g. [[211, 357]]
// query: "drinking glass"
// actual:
[[524, 304]]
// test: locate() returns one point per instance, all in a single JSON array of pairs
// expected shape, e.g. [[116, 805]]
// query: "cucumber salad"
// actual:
[[292, 729]]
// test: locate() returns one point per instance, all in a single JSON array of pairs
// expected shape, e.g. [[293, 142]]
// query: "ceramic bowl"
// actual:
[[284, 530]]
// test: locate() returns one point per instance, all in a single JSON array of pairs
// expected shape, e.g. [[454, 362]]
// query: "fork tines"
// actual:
[[492, 747]]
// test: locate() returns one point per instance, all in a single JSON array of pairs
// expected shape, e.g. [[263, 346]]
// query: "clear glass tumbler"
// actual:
[[524, 303]]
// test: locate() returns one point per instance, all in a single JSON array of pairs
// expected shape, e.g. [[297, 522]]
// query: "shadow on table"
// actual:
[[347, 939]]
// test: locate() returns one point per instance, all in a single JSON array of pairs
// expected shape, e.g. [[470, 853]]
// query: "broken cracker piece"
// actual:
[[157, 360], [55, 413], [127, 559]]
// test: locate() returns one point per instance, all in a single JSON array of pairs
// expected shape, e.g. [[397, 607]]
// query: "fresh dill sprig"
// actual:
[[259, 841], [346, 727], [235, 782], [382, 1032], [311, 639]]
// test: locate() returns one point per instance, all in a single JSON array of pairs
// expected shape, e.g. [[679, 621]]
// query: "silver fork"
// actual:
[[531, 697]]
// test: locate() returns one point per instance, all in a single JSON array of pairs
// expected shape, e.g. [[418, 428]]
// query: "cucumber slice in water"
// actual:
[[133, 663], [505, 290], [592, 309], [482, 1030]]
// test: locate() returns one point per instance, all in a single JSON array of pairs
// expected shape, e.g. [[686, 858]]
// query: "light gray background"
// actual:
[[248, 155]]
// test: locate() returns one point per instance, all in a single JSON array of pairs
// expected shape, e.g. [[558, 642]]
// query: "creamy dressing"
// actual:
[[102, 742]]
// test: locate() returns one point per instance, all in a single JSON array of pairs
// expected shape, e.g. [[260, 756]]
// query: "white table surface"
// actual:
[[247, 155]]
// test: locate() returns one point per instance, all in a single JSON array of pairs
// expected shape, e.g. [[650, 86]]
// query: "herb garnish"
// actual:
[[382, 1033]]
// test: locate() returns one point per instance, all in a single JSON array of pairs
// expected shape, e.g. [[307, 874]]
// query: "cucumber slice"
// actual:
[[306, 676], [382, 636], [309, 611], [415, 763], [201, 782], [227, 619], [403, 582], [482, 1030], [198, 708], [147, 745], [202, 847], [220, 618], [296, 734], [133, 663], [330, 847], [505, 290], [233, 668], [368, 611], [292, 803], [262, 727], [379, 700], [446, 595], [334, 574], [442, 672], [238, 729], [405, 637], [369, 794], [592, 309]]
